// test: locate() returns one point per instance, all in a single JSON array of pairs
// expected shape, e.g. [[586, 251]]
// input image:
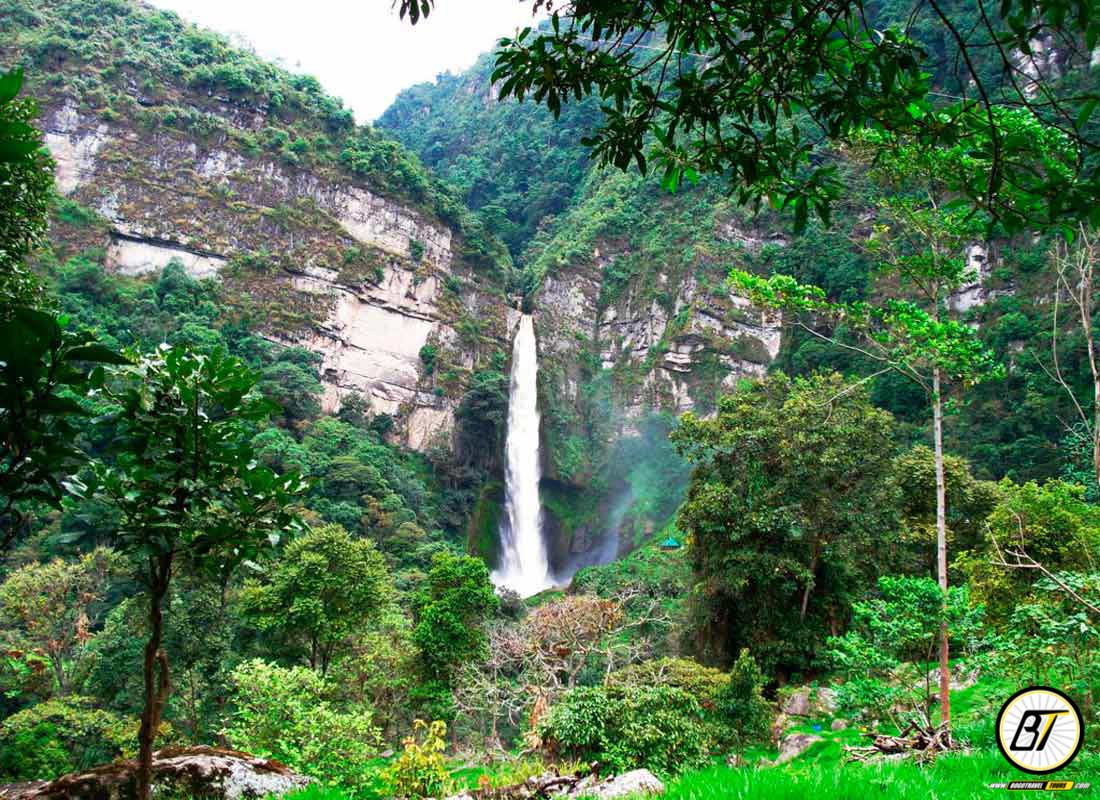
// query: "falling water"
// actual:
[[524, 567]]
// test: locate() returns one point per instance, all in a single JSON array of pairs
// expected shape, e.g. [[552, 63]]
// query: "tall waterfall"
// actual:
[[524, 567]]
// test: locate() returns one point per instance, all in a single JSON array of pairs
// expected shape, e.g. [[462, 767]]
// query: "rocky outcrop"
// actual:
[[184, 772], [364, 280], [636, 783], [680, 351]]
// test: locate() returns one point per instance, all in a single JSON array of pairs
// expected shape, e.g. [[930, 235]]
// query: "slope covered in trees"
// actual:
[[239, 509]]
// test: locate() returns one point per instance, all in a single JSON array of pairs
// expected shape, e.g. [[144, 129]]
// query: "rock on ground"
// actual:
[[807, 701], [209, 772], [839, 724], [629, 784], [637, 783], [795, 745]]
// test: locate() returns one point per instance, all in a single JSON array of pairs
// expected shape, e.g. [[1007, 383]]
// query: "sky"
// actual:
[[359, 49]]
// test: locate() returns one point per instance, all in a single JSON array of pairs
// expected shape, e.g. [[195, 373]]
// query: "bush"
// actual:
[[420, 770], [661, 728], [741, 706], [62, 735], [705, 684], [577, 725], [285, 714]]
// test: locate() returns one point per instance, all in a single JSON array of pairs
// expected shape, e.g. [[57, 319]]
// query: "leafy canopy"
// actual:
[[758, 90]]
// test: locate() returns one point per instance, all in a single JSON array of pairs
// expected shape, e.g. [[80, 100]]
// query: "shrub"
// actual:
[[705, 684], [741, 706], [420, 770], [62, 735], [577, 724], [661, 728], [428, 355], [285, 714]]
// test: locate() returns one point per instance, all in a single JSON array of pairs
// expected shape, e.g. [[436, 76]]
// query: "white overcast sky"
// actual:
[[359, 49]]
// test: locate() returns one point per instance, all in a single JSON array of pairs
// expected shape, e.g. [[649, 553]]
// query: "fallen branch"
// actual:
[[924, 741]]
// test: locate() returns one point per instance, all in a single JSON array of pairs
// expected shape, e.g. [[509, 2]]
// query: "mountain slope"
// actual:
[[326, 234]]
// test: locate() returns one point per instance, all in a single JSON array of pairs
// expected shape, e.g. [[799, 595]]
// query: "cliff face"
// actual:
[[624, 279], [317, 255]]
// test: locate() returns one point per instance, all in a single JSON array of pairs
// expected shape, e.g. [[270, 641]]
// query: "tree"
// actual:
[[759, 89], [289, 715], [451, 607], [787, 513], [43, 375], [51, 606], [1075, 264], [1034, 531], [187, 489], [969, 502], [26, 185], [481, 416], [889, 655], [924, 246], [324, 588], [583, 631]]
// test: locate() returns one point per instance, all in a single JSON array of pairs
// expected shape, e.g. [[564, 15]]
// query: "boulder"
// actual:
[[780, 725], [962, 677], [637, 782], [209, 772], [839, 725], [795, 745], [808, 701]]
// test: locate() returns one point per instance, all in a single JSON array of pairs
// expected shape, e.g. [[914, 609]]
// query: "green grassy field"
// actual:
[[953, 777], [956, 777]]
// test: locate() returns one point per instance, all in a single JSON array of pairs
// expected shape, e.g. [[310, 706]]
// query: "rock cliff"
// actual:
[[319, 255]]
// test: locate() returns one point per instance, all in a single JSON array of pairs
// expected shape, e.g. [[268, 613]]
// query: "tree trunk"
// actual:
[[58, 664], [155, 673], [941, 545], [1095, 427], [809, 586]]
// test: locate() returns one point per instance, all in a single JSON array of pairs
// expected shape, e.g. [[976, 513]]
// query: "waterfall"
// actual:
[[523, 567]]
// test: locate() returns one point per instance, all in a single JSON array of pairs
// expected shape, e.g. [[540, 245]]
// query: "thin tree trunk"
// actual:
[[809, 586], [59, 675], [941, 544], [157, 684]]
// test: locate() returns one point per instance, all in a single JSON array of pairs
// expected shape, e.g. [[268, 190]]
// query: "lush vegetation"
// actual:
[[195, 552]]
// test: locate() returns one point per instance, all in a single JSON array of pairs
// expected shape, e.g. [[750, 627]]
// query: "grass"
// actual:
[[951, 777], [955, 777]]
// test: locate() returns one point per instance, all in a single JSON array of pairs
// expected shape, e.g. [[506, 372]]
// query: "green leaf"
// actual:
[[10, 84], [97, 354]]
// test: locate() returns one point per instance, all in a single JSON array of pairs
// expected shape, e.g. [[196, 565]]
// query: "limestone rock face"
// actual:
[[324, 262], [673, 346], [199, 771]]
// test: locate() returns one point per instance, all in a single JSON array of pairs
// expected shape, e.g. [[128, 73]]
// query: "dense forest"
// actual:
[[817, 442]]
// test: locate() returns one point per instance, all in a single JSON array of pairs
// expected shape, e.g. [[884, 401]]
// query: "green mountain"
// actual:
[[322, 233], [626, 281]]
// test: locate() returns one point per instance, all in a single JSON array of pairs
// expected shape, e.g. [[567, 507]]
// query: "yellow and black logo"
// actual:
[[1039, 730]]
